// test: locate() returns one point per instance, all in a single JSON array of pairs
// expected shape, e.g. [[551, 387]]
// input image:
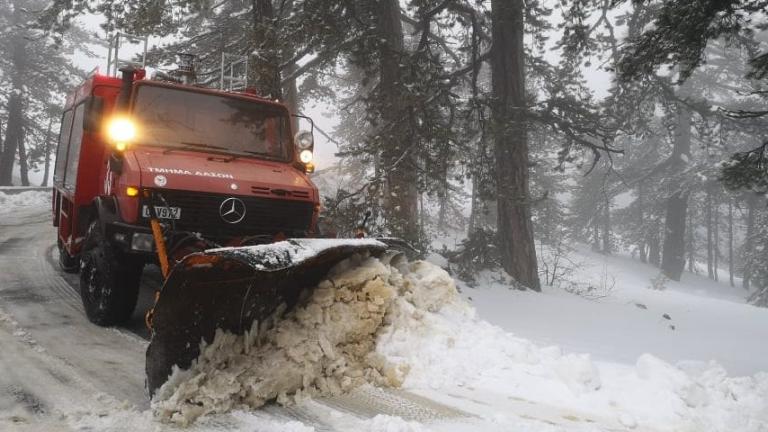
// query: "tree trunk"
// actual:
[[442, 193], [2, 149], [266, 64], [474, 202], [730, 241], [749, 241], [12, 136], [15, 105], [708, 204], [48, 146], [398, 155], [654, 247], [595, 235], [690, 242], [673, 254], [291, 93], [23, 163], [640, 222], [515, 229], [607, 227], [716, 238], [290, 90]]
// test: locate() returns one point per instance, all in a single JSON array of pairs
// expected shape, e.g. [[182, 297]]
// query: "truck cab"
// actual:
[[214, 167]]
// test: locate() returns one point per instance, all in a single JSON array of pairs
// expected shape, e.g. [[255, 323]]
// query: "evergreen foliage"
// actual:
[[36, 73], [438, 142]]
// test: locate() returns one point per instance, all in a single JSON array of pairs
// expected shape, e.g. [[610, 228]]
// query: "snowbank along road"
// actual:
[[61, 373]]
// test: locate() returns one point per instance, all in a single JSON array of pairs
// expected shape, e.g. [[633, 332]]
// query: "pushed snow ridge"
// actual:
[[393, 323], [325, 346]]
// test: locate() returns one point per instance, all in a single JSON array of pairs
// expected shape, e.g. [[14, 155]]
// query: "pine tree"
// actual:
[[36, 73]]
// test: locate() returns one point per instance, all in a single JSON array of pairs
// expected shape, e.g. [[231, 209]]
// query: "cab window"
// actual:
[[75, 143], [170, 117], [61, 150]]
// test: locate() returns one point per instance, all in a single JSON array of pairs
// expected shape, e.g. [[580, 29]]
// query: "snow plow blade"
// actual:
[[230, 288]]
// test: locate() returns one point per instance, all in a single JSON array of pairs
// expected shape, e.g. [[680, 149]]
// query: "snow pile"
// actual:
[[10, 201], [453, 352], [394, 323], [323, 347]]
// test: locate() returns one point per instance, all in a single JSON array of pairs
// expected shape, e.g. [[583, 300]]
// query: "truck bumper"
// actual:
[[131, 239]]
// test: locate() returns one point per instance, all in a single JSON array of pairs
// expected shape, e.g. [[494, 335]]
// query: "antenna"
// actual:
[[114, 62], [234, 72]]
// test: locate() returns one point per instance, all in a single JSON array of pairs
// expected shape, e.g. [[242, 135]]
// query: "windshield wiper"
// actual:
[[194, 144], [261, 154]]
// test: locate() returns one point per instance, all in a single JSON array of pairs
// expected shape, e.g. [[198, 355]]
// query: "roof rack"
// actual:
[[114, 62], [234, 72]]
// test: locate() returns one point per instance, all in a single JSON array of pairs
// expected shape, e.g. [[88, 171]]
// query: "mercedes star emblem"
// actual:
[[232, 210]]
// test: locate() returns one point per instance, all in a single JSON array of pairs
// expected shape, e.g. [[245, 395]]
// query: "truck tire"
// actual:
[[109, 280], [67, 262]]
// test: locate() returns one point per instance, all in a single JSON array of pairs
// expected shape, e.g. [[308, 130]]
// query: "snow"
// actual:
[[385, 423], [10, 202], [501, 359], [711, 319], [440, 348], [323, 347], [292, 252]]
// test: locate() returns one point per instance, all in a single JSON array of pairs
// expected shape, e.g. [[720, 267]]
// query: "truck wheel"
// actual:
[[109, 280], [67, 262]]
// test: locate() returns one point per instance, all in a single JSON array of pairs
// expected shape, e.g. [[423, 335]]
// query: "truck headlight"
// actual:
[[304, 140], [121, 131], [142, 242], [305, 156]]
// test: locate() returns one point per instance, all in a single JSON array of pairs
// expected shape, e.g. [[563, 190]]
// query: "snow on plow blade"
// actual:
[[230, 288]]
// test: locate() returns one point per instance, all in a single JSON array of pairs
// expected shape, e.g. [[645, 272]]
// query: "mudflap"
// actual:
[[230, 288]]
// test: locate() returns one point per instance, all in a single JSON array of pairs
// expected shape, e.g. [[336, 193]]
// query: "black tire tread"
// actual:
[[122, 275]]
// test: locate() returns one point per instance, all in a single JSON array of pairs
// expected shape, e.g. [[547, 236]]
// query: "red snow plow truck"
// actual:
[[210, 184]]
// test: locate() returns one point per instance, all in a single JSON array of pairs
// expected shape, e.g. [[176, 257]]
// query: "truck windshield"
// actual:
[[170, 117]]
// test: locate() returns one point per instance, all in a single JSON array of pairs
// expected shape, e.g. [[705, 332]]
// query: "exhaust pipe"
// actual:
[[124, 98]]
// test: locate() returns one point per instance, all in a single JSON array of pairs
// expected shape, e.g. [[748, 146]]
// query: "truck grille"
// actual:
[[200, 213]]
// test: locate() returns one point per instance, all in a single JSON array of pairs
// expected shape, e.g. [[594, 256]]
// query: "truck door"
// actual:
[[60, 167], [65, 171]]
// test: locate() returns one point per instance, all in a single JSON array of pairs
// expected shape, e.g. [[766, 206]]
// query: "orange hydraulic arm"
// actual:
[[162, 257], [162, 253]]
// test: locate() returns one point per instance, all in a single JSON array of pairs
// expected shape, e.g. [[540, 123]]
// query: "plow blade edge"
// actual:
[[229, 289]]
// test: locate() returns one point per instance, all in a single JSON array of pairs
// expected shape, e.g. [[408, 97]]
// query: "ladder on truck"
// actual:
[[116, 45], [234, 72]]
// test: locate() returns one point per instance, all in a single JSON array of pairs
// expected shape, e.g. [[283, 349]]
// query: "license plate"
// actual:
[[163, 212]]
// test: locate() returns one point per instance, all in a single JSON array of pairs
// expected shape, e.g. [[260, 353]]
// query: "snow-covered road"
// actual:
[[61, 373]]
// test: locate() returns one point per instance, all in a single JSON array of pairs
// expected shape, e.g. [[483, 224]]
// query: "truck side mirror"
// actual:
[[94, 111]]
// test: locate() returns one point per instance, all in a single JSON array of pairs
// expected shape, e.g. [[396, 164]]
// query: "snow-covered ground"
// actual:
[[696, 319], [690, 357], [18, 197]]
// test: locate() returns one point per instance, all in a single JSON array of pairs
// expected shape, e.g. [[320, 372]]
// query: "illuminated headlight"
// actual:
[[304, 140], [121, 130], [305, 156], [142, 242]]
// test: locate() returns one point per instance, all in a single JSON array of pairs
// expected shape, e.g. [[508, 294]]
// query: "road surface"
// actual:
[[56, 364]]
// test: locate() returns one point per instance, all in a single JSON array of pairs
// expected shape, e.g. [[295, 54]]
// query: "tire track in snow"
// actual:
[[49, 305], [368, 402]]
